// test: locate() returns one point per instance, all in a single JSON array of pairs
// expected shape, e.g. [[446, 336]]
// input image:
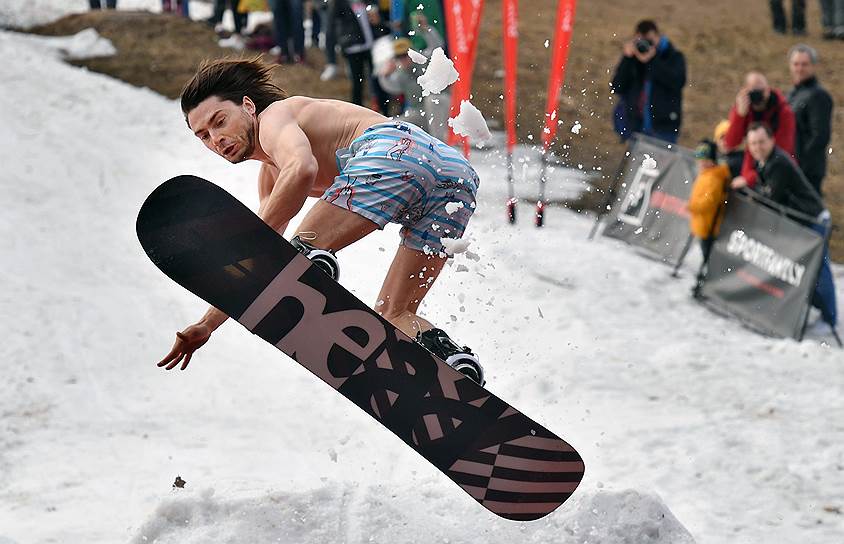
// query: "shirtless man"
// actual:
[[366, 169]]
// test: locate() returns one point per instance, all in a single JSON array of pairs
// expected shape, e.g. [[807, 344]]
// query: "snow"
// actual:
[[85, 44], [470, 122], [456, 245], [689, 423], [417, 57], [439, 74], [649, 163], [452, 207]]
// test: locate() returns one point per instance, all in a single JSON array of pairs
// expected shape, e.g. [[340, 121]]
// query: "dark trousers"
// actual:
[[240, 19], [110, 4], [360, 68], [832, 15], [798, 16], [824, 296], [289, 29]]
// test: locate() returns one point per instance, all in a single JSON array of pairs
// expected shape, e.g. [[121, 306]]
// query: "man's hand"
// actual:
[[743, 102], [645, 57], [738, 183], [187, 341], [629, 49]]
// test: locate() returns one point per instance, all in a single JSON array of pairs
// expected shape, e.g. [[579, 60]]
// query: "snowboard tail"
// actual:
[[214, 246]]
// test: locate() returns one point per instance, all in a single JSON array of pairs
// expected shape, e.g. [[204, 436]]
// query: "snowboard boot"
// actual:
[[324, 259], [460, 359]]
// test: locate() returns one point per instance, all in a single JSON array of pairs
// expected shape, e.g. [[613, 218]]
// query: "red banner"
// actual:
[[562, 39], [510, 17], [463, 21]]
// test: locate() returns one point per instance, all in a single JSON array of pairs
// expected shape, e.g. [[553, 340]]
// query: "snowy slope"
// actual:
[[688, 423]]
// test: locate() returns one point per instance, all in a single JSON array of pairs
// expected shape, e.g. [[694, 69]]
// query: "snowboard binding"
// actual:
[[323, 258], [460, 359]]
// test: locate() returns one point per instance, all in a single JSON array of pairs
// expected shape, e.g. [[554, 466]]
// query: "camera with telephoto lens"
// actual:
[[643, 45], [756, 96]]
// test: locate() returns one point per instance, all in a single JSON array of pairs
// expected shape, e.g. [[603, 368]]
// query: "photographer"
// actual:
[[758, 102], [649, 80]]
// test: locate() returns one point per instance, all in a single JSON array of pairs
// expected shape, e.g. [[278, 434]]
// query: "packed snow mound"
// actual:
[[84, 44], [625, 517], [29, 13], [334, 513]]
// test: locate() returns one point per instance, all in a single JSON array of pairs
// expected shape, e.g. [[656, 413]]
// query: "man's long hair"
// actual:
[[232, 79]]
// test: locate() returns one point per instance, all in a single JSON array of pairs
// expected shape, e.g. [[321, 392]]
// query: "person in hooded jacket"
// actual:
[[649, 80]]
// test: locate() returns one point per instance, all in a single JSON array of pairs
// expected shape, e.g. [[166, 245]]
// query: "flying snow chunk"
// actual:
[[649, 162], [417, 57], [439, 75], [453, 246], [470, 122], [575, 129], [452, 207]]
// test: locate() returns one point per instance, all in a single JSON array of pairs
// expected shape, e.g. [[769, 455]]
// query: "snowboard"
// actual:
[[213, 245]]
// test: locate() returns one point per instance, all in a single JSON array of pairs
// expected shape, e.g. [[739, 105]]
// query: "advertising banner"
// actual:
[[763, 267], [651, 194]]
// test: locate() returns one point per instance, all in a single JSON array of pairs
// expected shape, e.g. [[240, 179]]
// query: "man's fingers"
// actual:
[[176, 362], [187, 360]]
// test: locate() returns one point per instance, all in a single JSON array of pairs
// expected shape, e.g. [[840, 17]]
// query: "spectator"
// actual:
[[354, 36], [240, 19], [798, 17], [289, 30], [832, 19], [431, 11], [733, 157], [109, 4], [780, 179], [330, 70], [812, 107], [175, 6], [706, 208], [757, 101], [650, 80]]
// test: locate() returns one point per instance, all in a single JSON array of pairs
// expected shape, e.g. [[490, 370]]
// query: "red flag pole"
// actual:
[[463, 31], [510, 18], [562, 39]]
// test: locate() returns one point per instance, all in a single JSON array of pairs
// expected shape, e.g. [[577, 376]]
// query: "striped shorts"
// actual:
[[395, 172]]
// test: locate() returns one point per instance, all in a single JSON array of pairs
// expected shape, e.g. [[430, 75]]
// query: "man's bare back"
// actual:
[[328, 124]]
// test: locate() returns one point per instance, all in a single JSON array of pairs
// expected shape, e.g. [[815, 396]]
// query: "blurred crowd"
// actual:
[[773, 142]]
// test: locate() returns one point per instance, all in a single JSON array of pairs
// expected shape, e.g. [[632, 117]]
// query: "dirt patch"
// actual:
[[719, 39]]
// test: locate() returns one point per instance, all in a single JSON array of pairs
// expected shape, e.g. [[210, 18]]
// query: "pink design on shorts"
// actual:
[[400, 148], [346, 189]]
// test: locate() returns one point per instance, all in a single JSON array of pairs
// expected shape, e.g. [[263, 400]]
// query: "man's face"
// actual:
[[760, 144], [652, 36], [801, 67], [224, 127]]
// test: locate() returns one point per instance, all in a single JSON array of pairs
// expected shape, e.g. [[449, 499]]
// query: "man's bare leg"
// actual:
[[327, 226], [408, 281]]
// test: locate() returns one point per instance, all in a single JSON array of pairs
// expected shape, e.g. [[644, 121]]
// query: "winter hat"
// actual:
[[401, 46], [721, 129], [707, 149]]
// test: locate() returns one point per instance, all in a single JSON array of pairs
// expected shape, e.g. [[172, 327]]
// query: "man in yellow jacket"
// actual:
[[709, 192]]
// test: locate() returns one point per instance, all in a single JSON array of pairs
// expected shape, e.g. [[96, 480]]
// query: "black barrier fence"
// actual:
[[763, 266], [646, 206]]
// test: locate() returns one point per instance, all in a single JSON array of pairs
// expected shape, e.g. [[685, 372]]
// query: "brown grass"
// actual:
[[718, 37]]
